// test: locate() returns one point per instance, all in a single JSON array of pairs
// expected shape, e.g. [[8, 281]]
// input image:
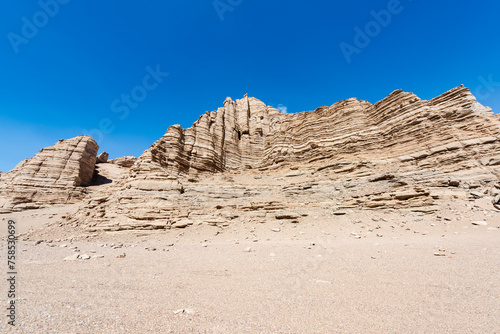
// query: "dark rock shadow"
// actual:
[[98, 179]]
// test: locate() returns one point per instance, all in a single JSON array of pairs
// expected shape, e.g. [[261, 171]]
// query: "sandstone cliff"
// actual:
[[249, 161], [248, 134]]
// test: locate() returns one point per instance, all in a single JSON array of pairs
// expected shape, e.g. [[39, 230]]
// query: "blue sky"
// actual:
[[67, 67]]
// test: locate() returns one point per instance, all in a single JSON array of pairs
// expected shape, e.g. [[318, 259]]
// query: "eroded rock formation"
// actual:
[[248, 161], [53, 176], [102, 158]]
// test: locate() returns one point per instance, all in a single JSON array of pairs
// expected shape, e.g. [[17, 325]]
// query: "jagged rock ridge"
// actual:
[[247, 133]]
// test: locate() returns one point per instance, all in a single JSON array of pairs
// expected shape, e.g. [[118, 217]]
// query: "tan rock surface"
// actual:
[[53, 176], [102, 158], [248, 161]]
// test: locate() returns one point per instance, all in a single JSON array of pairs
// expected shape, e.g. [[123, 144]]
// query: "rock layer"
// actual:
[[248, 134], [248, 161], [53, 176]]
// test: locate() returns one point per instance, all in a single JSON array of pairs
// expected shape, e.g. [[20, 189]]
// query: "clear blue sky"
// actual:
[[65, 73]]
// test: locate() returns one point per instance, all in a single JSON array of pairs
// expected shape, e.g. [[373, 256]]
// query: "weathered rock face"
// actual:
[[227, 139], [52, 176], [249, 161], [248, 134]]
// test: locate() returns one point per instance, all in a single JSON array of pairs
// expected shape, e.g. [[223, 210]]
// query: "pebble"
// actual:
[[185, 310], [248, 249], [439, 254], [72, 257], [275, 229], [85, 257], [204, 244], [480, 223]]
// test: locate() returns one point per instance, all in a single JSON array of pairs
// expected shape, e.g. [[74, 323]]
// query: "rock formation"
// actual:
[[127, 161], [248, 134], [102, 158], [248, 161], [53, 176]]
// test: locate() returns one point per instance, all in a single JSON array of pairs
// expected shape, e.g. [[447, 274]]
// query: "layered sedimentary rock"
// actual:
[[248, 134], [53, 176], [229, 138], [249, 161]]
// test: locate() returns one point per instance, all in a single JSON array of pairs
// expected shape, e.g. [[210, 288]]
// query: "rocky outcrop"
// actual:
[[248, 161], [53, 176], [248, 134], [229, 138], [102, 158], [127, 161]]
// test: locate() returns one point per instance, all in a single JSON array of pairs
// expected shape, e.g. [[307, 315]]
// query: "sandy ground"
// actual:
[[316, 277]]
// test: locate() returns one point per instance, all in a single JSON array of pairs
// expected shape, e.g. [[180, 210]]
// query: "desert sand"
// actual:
[[428, 275]]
